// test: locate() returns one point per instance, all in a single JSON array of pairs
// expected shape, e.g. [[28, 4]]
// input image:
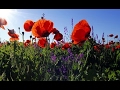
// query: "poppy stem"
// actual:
[[23, 38]]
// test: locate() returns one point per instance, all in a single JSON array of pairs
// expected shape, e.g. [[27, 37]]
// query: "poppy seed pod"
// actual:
[[18, 27], [30, 36], [22, 33]]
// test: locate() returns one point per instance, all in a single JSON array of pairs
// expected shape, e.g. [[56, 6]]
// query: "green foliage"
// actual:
[[19, 63]]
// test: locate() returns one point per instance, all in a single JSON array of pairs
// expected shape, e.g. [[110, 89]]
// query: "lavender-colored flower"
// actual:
[[71, 55], [63, 69], [97, 36], [92, 32], [72, 23], [80, 56], [53, 57], [64, 58], [103, 35], [35, 45], [69, 50], [99, 42]]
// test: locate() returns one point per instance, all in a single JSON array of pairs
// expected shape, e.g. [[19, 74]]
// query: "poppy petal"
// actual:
[[2, 27], [42, 42], [28, 25]]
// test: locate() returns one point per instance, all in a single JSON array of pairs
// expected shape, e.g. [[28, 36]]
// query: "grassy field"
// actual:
[[90, 62]]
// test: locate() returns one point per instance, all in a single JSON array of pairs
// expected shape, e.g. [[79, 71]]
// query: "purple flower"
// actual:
[[80, 56], [53, 57], [64, 58], [63, 69], [69, 50]]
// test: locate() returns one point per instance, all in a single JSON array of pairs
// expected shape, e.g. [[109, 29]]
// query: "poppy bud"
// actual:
[[22, 33], [42, 17], [18, 27], [30, 36]]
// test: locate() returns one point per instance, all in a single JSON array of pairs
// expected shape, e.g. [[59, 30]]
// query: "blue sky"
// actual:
[[103, 20]]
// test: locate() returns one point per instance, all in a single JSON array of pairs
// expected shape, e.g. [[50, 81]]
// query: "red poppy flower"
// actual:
[[78, 36], [55, 31], [28, 25], [81, 32], [28, 41], [117, 46], [66, 46], [116, 36], [96, 48], [14, 39], [42, 42], [58, 36], [113, 49], [13, 35], [42, 28], [52, 45], [11, 31], [111, 35], [111, 42], [2, 23], [107, 46], [2, 27], [26, 44]]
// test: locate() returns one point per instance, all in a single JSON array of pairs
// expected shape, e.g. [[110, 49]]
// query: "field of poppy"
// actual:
[[84, 58]]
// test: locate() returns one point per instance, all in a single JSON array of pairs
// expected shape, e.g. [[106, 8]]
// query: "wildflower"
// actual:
[[66, 46], [55, 31], [2, 23], [53, 57], [42, 28], [81, 32], [113, 49], [117, 46], [58, 37], [52, 45], [14, 39], [28, 41], [111, 42], [63, 69], [26, 44], [96, 48], [28, 25], [111, 35], [116, 36], [42, 42], [13, 35], [107, 46]]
